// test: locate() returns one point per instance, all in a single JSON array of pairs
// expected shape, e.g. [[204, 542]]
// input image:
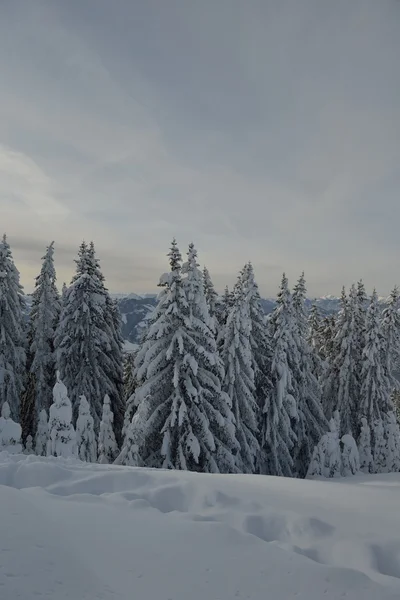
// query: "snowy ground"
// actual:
[[78, 531]]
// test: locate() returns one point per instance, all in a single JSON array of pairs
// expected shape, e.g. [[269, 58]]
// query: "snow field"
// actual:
[[73, 530]]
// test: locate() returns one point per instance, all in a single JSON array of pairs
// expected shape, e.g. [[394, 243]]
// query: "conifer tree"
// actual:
[[28, 403], [44, 318], [107, 445], [42, 432], [62, 437], [311, 423], [178, 372], [87, 352], [240, 377], [280, 415], [342, 387], [391, 337], [12, 333], [10, 432], [350, 456], [130, 384], [85, 436], [211, 297], [29, 445]]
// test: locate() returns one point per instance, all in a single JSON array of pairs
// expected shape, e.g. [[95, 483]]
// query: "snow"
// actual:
[[73, 530]]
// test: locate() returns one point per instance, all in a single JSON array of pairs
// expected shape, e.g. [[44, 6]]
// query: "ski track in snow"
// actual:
[[77, 531]]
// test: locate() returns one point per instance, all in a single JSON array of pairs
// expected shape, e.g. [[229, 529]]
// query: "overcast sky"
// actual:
[[263, 130]]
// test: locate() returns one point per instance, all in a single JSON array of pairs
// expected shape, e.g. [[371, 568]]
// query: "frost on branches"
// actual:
[[10, 432], [12, 352], [311, 424], [62, 437], [188, 421], [85, 436], [280, 414], [107, 446]]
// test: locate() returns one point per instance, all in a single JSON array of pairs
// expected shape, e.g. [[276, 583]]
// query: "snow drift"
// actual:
[[72, 530]]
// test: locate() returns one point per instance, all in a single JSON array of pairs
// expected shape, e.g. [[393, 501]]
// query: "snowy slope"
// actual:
[[76, 531]]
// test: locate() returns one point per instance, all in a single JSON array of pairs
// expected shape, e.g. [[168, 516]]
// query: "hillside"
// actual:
[[95, 532]]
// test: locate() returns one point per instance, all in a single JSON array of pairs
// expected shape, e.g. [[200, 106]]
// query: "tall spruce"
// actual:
[[84, 340], [280, 415], [187, 423], [391, 337], [212, 300], [311, 424], [12, 332], [44, 317], [240, 383]]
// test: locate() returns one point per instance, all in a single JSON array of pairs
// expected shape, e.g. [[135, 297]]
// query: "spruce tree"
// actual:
[[12, 332], [280, 414], [391, 337], [130, 384], [87, 352], [62, 437], [364, 448], [10, 432], [44, 318], [188, 422], [107, 445], [212, 300], [85, 436], [240, 377], [311, 423]]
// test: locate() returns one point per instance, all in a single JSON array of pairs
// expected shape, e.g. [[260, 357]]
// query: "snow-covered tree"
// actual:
[[85, 436], [28, 404], [42, 433], [240, 383], [107, 446], [44, 318], [311, 423], [188, 421], [327, 458], [135, 437], [379, 446], [350, 456], [392, 436], [130, 384], [280, 415], [315, 340], [12, 334], [62, 437], [375, 388], [212, 300], [364, 448], [29, 445], [391, 336], [342, 384], [10, 432], [88, 355]]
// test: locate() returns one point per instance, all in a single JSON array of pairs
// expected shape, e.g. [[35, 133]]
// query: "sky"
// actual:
[[265, 130]]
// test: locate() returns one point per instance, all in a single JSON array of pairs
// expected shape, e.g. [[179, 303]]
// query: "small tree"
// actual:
[[10, 432], [29, 445], [350, 456], [85, 437], [364, 448], [107, 445], [62, 437], [392, 436], [326, 460], [379, 446], [42, 433]]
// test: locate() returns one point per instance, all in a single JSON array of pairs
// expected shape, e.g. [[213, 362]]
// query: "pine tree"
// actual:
[[62, 437], [326, 460], [311, 424], [29, 445], [42, 433], [350, 456], [364, 448], [44, 318], [315, 340], [28, 404], [379, 446], [392, 436], [107, 445], [240, 377], [10, 432], [85, 436], [280, 415], [12, 334], [135, 437], [87, 349]]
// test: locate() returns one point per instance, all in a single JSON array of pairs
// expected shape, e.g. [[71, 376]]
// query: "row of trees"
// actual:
[[215, 386]]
